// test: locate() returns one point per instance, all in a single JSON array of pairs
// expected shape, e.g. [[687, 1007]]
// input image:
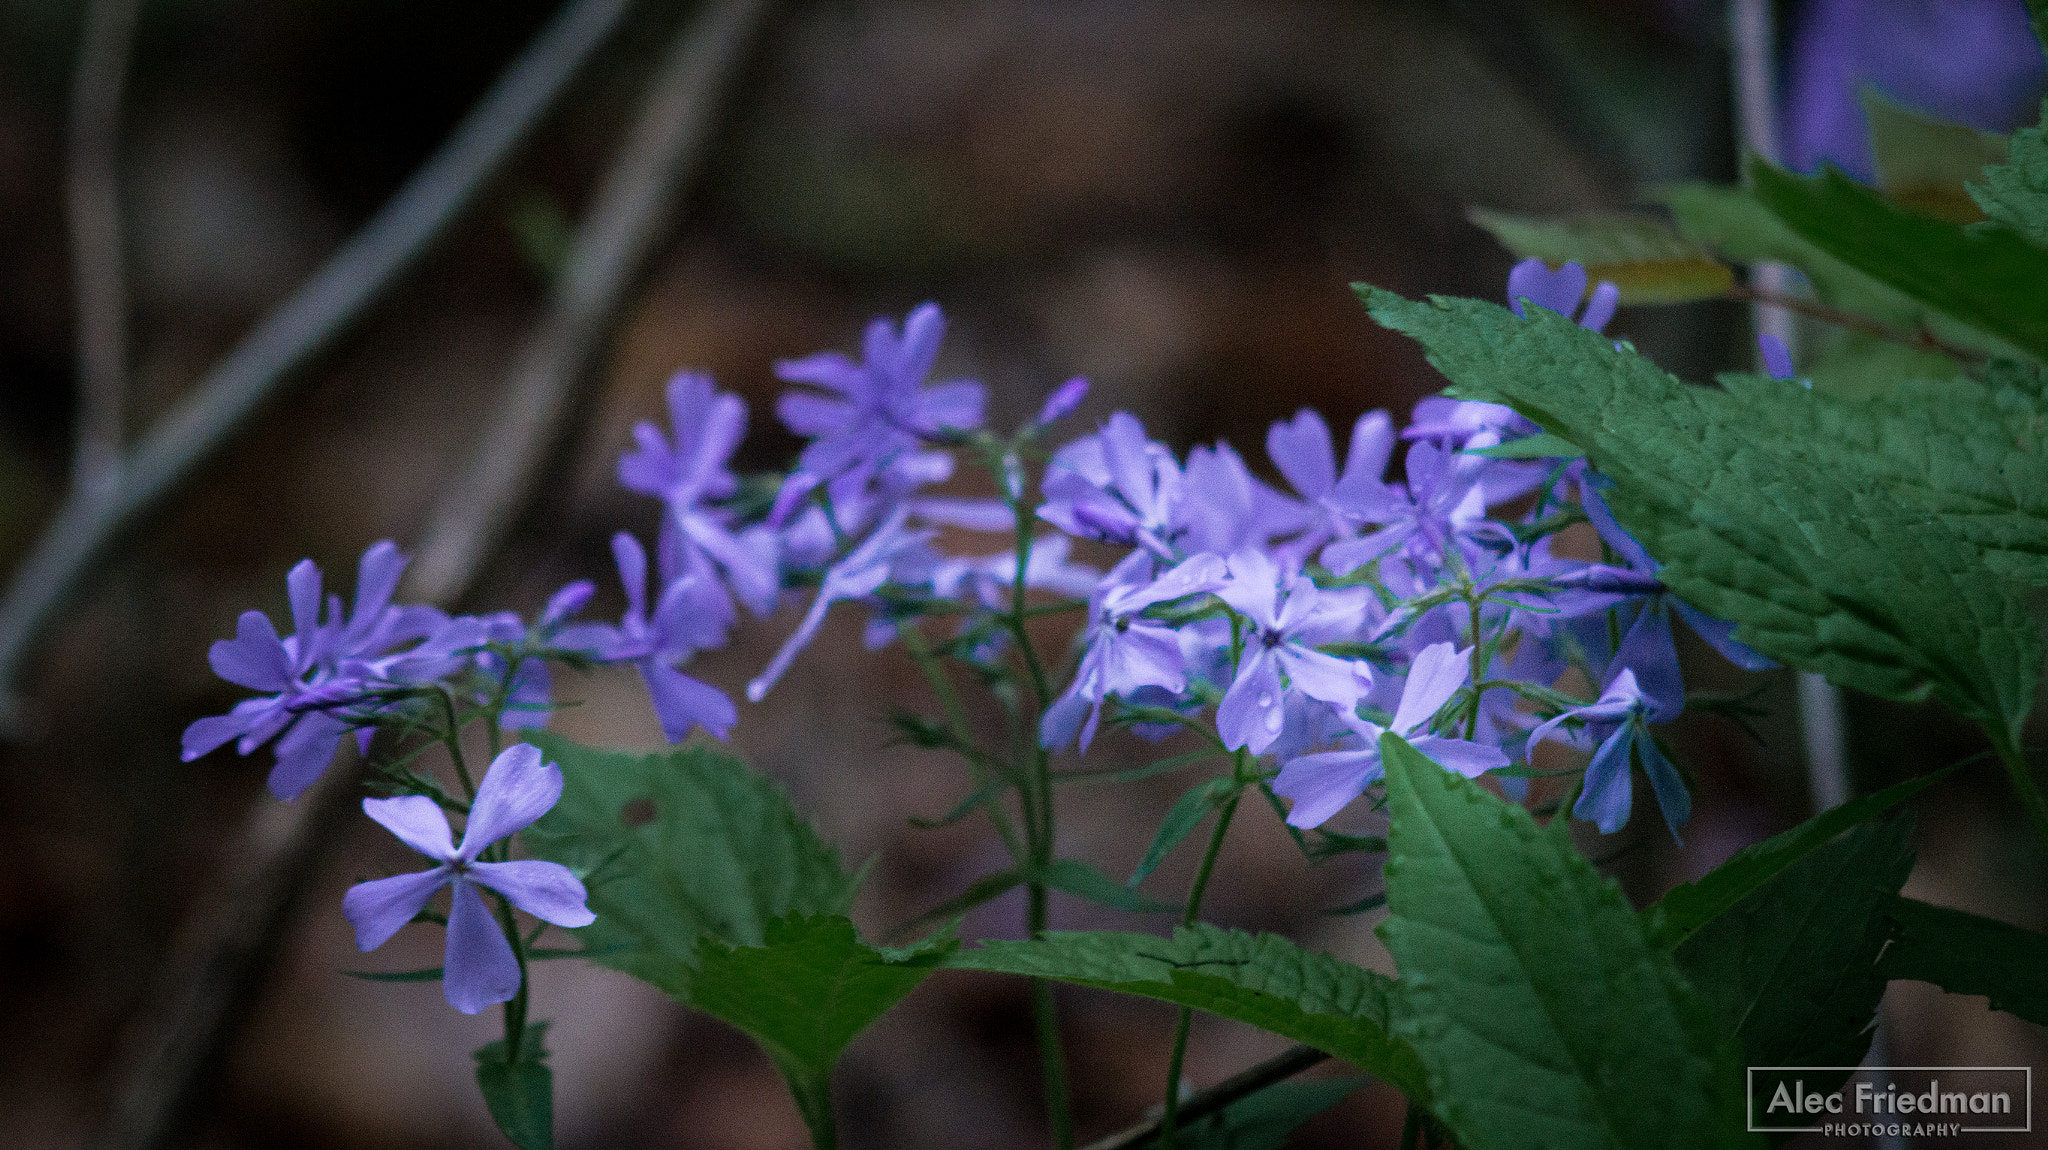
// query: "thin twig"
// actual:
[[632, 210], [1770, 300], [257, 369], [98, 265], [1278, 1068]]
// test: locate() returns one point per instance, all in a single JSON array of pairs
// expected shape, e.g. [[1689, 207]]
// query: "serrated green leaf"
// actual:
[[677, 845], [1262, 1121], [1964, 953], [520, 1093], [1541, 1013], [1992, 279], [1264, 980], [1186, 814], [1792, 969], [1820, 566], [2015, 193], [806, 992], [1643, 257], [1923, 163], [1689, 906]]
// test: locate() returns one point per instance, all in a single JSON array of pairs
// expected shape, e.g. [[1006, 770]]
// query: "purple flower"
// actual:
[[879, 408], [1224, 508], [1777, 357], [1442, 500], [1062, 402], [303, 675], [1624, 712], [480, 968], [1116, 486], [1560, 291], [987, 579], [857, 576], [691, 615], [708, 426], [1288, 616], [1302, 450], [1126, 651], [1322, 784]]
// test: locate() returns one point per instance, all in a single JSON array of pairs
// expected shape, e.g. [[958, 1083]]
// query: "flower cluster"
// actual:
[[1446, 605]]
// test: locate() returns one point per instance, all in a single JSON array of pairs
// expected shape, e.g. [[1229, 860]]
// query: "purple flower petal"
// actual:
[[1372, 445], [1672, 797], [417, 821], [206, 734], [1323, 784], [1605, 799], [304, 753], [1302, 450], [1600, 308], [632, 561], [1435, 675], [1459, 756], [379, 908], [480, 969], [1251, 713], [1720, 635], [255, 658], [518, 788], [681, 702], [1777, 357], [544, 890], [1062, 402], [303, 585], [1647, 649], [1341, 682], [1558, 290]]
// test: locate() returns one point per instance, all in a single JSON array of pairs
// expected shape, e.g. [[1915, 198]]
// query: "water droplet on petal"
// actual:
[[1265, 700]]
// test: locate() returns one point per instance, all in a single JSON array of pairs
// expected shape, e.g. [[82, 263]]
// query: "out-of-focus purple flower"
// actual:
[[1619, 722], [1970, 61], [987, 579], [480, 968], [1061, 403], [1324, 783], [302, 675], [1442, 499], [857, 576], [1560, 291], [1116, 486], [1125, 651], [690, 471], [1302, 450], [879, 408], [1777, 357], [691, 615], [1289, 617], [1224, 508]]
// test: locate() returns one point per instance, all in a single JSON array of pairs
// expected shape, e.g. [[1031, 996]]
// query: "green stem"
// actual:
[[956, 718], [515, 1008], [2022, 779], [1171, 1115]]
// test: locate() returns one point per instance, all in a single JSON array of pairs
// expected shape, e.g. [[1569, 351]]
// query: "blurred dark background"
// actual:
[[1169, 197]]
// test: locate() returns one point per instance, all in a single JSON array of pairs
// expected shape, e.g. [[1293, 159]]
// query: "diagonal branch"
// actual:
[[631, 212], [259, 367], [99, 274], [223, 950], [1244, 1083]]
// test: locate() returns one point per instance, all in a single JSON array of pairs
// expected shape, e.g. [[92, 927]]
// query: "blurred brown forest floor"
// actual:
[[1168, 197]]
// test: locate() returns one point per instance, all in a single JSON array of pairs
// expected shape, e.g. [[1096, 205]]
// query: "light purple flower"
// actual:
[[480, 968], [691, 615], [879, 408], [1776, 356], [708, 425], [1224, 508], [1303, 451], [1623, 711], [1288, 616], [1560, 291], [857, 576], [1323, 784], [987, 579], [303, 675], [1062, 402], [1116, 486], [1126, 651], [1442, 500]]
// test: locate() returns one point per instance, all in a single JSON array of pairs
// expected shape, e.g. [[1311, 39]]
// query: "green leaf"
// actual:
[[520, 1093], [1642, 256], [677, 845], [1542, 1014], [1819, 565], [1083, 881], [1262, 1121], [1993, 279], [1791, 970], [1541, 445], [1263, 980], [1965, 953], [1689, 906], [803, 995], [1923, 163], [2016, 193], [1180, 821]]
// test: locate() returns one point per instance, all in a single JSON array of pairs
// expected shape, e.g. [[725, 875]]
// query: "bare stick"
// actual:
[[98, 265], [257, 369], [630, 213], [1278, 1068]]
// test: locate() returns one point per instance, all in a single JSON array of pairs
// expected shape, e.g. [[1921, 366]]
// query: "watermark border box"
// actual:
[[1749, 1097]]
